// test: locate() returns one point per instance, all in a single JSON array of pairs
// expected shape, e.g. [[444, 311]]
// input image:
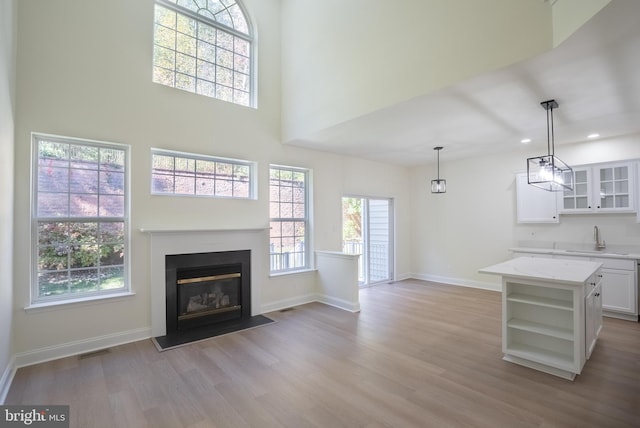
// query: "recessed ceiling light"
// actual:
[[525, 140], [594, 135]]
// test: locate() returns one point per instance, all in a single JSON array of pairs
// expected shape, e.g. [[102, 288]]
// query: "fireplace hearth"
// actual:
[[207, 294]]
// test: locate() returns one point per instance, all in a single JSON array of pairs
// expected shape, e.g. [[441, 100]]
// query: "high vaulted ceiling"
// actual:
[[594, 76]]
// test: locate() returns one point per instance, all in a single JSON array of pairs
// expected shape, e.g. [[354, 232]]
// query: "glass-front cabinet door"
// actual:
[[615, 192], [578, 199]]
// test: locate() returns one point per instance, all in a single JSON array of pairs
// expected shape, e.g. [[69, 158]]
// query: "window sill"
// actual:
[[59, 304], [291, 272]]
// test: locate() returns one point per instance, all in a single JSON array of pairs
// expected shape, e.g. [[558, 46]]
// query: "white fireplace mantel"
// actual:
[[184, 241]]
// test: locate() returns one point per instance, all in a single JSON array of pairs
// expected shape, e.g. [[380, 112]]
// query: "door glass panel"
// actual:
[[622, 187], [606, 188], [621, 173], [582, 202], [352, 238], [569, 203], [581, 189], [379, 239], [622, 201], [367, 231]]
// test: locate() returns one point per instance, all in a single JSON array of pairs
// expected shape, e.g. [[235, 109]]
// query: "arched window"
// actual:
[[204, 46]]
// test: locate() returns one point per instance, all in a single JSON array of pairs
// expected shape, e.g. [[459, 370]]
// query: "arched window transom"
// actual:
[[205, 47]]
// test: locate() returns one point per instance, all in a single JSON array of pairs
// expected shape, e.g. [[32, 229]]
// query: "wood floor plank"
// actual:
[[419, 354]]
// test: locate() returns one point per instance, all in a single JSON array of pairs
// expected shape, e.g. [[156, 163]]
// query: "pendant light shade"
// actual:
[[547, 171], [439, 185]]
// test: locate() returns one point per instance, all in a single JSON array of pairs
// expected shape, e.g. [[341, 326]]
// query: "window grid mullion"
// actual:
[[197, 82], [175, 51]]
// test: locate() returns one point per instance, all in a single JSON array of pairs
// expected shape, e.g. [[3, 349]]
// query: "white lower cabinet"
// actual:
[[619, 287], [619, 291]]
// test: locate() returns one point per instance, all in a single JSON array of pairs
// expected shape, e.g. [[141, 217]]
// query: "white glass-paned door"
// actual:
[[367, 225], [379, 242]]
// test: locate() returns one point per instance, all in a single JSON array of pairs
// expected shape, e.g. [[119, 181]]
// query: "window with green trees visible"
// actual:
[[289, 212], [205, 47], [79, 218]]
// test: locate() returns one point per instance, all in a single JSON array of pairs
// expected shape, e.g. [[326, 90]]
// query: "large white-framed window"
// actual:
[[289, 219], [179, 173], [80, 218], [204, 47]]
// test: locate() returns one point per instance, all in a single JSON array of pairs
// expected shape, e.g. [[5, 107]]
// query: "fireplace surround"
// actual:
[[167, 242]]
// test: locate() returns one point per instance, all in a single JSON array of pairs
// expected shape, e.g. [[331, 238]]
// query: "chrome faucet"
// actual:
[[600, 245]]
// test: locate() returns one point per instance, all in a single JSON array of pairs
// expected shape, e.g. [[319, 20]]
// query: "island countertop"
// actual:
[[556, 270]]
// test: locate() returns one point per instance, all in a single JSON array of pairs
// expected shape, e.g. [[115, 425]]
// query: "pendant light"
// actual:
[[548, 172], [439, 185]]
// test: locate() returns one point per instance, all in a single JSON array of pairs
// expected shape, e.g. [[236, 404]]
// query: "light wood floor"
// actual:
[[418, 355]]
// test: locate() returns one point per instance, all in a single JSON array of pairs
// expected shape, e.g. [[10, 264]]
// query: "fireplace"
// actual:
[[205, 297], [207, 294], [202, 253], [207, 289]]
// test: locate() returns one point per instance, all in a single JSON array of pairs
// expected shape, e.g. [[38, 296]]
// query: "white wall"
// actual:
[[7, 119], [569, 15], [85, 71], [474, 223], [343, 59]]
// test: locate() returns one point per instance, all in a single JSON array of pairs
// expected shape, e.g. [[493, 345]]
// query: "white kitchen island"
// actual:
[[551, 312]]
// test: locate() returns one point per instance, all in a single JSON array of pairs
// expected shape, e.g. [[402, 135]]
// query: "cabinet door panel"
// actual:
[[533, 204], [578, 199], [614, 187], [618, 292], [593, 318]]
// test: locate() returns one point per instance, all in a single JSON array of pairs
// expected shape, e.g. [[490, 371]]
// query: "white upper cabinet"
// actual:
[[580, 198], [600, 188], [616, 187], [534, 205]]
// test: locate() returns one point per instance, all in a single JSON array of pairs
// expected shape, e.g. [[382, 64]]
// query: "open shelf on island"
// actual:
[[566, 305], [543, 356], [539, 328]]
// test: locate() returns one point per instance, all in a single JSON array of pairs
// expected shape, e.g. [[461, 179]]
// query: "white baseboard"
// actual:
[[403, 276], [310, 298], [6, 379], [458, 281], [339, 303], [78, 347], [288, 303]]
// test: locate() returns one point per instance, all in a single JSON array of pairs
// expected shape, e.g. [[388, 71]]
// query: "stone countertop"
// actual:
[[574, 272], [606, 253]]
